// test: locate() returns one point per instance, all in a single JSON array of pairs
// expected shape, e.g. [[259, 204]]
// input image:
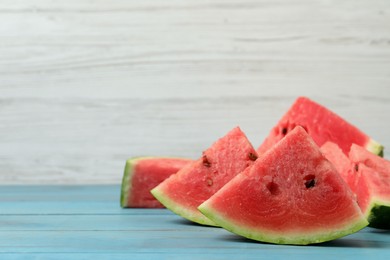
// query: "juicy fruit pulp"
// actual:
[[291, 195], [368, 176], [185, 191], [322, 124], [143, 174], [358, 155]]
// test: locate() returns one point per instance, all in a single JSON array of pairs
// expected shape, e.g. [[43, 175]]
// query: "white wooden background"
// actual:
[[85, 84]]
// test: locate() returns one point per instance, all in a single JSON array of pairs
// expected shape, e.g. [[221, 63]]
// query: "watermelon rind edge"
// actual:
[[126, 180], [378, 214], [375, 147], [267, 237], [180, 210]]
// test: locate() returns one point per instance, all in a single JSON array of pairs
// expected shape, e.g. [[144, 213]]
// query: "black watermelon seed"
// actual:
[[273, 188], [310, 183], [205, 161], [252, 156]]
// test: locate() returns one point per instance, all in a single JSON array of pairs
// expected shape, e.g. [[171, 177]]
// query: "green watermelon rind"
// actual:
[[180, 210], [375, 147], [127, 179], [268, 237], [378, 214]]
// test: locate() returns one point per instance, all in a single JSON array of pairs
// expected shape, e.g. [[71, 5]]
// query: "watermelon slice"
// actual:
[[323, 125], [368, 176], [291, 195], [143, 174], [185, 191]]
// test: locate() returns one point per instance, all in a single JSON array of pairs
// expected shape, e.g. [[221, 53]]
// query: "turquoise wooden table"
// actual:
[[85, 222]]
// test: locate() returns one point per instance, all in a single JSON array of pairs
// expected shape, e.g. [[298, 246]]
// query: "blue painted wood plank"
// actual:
[[115, 256], [213, 241], [138, 222], [56, 200], [67, 223], [72, 208], [120, 256], [60, 193]]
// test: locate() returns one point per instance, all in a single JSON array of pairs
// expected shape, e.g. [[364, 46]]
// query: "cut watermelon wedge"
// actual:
[[323, 125], [183, 192], [143, 174], [291, 195], [368, 176]]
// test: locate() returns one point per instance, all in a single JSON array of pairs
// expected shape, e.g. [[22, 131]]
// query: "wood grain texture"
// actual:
[[40, 229], [86, 84]]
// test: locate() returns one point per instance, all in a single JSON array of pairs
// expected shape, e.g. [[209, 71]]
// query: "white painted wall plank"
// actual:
[[86, 84]]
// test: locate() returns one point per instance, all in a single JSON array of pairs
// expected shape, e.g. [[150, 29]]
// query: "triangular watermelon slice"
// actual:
[[291, 195], [322, 124], [368, 176], [185, 191], [143, 174]]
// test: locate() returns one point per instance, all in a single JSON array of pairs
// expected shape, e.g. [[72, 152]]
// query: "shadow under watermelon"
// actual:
[[183, 221], [337, 243]]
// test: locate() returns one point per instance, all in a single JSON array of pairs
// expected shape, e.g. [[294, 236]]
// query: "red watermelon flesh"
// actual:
[[183, 192], [368, 176], [322, 124], [359, 155], [334, 154], [143, 174], [344, 166], [291, 195]]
